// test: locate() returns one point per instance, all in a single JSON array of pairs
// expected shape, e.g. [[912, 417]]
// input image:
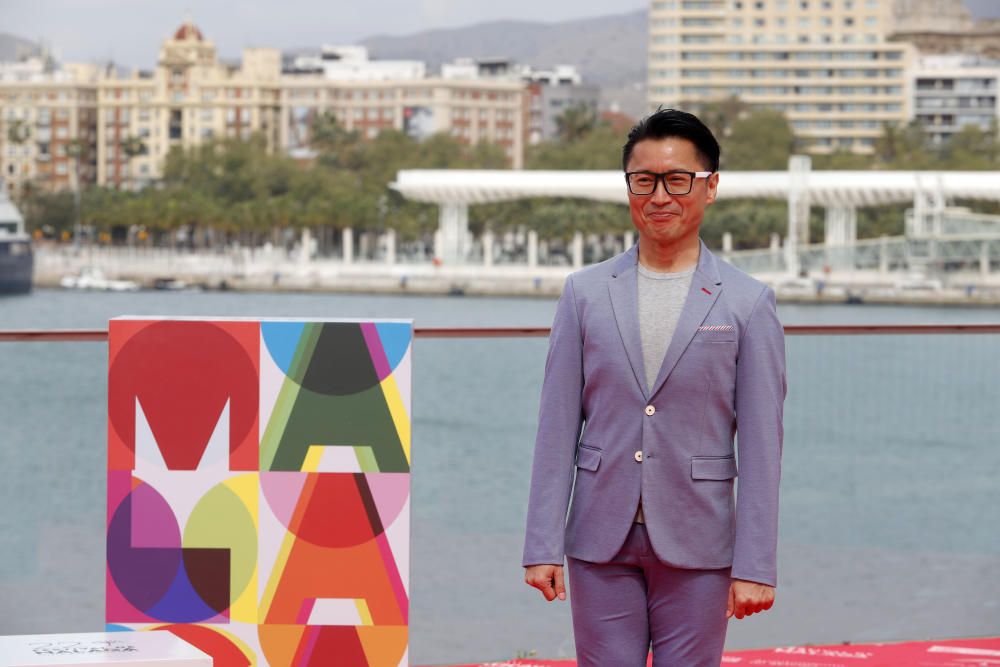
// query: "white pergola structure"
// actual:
[[839, 192]]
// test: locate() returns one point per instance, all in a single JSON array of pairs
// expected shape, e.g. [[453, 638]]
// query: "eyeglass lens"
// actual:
[[677, 183]]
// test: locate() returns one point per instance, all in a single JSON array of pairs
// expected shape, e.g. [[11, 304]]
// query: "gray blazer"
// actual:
[[723, 374]]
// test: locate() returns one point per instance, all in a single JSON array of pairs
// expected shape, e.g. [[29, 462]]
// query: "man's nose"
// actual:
[[660, 194]]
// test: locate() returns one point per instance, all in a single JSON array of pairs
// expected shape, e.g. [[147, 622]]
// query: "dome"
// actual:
[[189, 31]]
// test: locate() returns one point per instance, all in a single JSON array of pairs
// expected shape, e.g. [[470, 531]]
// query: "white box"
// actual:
[[118, 649]]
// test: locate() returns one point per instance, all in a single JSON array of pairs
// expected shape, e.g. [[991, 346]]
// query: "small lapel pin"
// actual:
[[706, 291]]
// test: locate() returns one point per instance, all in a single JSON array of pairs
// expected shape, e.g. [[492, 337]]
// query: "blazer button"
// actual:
[[638, 456], [650, 410]]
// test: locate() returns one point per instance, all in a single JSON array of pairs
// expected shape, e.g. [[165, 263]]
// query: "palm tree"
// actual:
[[132, 147], [18, 133], [77, 149], [576, 122]]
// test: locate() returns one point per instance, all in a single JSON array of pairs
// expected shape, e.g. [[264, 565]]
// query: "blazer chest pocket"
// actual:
[[713, 467], [587, 457], [715, 334]]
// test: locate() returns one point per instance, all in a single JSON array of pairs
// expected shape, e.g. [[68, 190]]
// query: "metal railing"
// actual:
[[101, 335]]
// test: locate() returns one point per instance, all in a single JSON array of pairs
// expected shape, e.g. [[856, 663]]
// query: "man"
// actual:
[[659, 356]]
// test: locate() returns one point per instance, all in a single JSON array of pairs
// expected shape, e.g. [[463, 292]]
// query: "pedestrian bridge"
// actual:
[[841, 193]]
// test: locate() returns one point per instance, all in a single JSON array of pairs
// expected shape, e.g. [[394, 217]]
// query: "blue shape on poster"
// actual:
[[281, 339], [181, 603], [395, 337], [114, 627]]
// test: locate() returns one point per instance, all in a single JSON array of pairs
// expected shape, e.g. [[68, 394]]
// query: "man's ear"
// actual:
[[712, 187]]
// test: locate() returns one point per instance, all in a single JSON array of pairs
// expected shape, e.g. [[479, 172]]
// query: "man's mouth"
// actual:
[[660, 215]]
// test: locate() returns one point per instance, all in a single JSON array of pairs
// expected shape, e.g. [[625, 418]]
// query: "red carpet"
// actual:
[[945, 653]]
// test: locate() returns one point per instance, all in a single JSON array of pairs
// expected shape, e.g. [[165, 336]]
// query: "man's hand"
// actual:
[[548, 579], [748, 597]]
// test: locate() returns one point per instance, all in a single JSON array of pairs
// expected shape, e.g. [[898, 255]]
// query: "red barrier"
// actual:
[[982, 652]]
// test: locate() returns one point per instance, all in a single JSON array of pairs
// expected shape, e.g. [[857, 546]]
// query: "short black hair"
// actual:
[[664, 123]]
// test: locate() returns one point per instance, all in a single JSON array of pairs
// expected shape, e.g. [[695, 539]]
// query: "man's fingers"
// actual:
[[731, 604], [560, 584], [542, 578]]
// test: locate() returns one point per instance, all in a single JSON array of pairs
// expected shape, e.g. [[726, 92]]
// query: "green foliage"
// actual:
[[236, 187], [762, 140]]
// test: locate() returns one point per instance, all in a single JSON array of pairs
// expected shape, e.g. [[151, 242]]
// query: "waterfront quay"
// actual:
[[274, 269]]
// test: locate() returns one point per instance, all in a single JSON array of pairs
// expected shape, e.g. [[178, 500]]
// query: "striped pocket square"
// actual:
[[717, 327]]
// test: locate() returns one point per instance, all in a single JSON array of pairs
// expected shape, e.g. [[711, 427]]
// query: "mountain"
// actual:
[[609, 51], [13, 48]]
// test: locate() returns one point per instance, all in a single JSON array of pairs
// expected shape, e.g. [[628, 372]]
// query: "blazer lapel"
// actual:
[[706, 285], [624, 291]]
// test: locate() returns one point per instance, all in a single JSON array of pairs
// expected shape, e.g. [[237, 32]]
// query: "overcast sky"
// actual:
[[130, 31]]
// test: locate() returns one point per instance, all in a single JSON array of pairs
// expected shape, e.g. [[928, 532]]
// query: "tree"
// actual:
[[721, 115], [132, 147], [904, 147], [761, 140], [576, 122]]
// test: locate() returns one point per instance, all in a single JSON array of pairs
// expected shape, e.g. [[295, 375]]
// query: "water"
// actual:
[[890, 488]]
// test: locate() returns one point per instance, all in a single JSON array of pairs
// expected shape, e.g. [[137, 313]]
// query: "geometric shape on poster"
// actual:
[[222, 520], [399, 412], [401, 378], [152, 523], [339, 363], [155, 581], [281, 340], [331, 645], [149, 455], [363, 418], [281, 491], [200, 590], [395, 337], [390, 492], [331, 458], [396, 541], [375, 351], [226, 649], [142, 575], [385, 646], [279, 643], [340, 611], [184, 372], [343, 496]]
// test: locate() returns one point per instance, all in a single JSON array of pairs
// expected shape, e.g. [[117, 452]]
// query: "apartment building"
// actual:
[[951, 92], [472, 110], [48, 125], [826, 64], [84, 124]]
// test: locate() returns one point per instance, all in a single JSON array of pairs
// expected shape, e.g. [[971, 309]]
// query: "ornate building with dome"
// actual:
[[87, 124]]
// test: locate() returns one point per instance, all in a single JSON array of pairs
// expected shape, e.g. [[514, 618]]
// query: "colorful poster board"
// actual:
[[258, 487]]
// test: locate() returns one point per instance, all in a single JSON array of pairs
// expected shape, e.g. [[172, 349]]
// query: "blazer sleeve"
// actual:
[[760, 394], [560, 419]]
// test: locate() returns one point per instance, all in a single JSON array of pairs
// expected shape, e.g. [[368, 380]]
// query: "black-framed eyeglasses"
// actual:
[[675, 182]]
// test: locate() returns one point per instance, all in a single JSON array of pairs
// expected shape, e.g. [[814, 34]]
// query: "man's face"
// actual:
[[661, 218]]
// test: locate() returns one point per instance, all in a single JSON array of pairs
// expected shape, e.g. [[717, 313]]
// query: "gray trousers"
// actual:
[[622, 607]]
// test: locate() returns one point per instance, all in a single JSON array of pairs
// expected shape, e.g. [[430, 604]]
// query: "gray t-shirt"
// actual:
[[661, 299]]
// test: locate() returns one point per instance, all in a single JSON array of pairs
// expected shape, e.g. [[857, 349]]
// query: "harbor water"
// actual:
[[890, 485]]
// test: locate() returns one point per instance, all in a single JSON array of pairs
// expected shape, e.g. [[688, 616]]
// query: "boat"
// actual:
[[91, 278], [17, 261]]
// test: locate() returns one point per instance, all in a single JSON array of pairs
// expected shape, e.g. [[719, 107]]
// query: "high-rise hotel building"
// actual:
[[826, 64]]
